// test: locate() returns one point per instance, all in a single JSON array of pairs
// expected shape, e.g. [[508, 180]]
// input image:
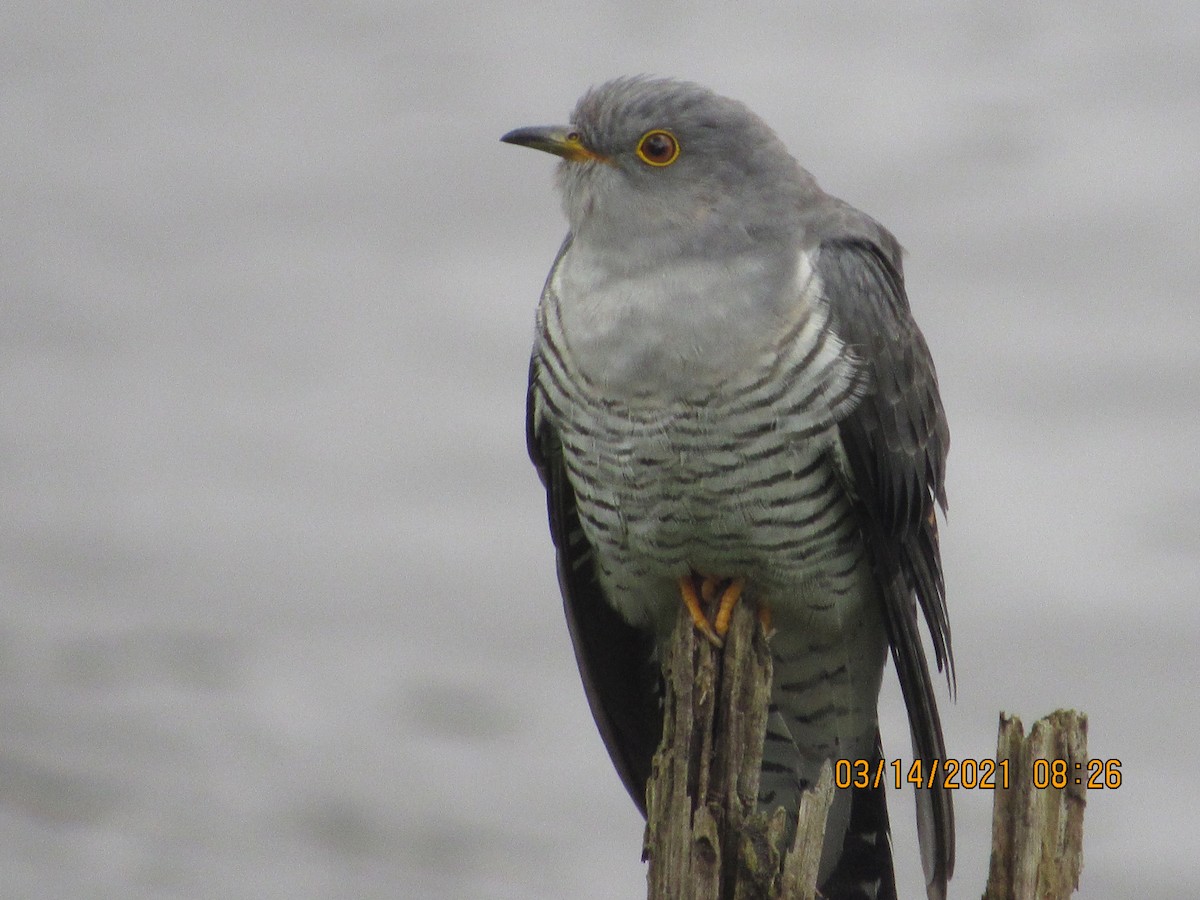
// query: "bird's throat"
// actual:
[[675, 333]]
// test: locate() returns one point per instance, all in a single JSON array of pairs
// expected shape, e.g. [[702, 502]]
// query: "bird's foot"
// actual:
[[698, 591]]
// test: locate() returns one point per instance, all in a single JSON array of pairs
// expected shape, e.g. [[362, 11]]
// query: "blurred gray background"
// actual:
[[278, 612]]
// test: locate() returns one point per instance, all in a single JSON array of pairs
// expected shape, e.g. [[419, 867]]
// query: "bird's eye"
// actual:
[[658, 148]]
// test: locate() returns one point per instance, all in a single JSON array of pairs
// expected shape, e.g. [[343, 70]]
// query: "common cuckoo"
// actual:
[[728, 396]]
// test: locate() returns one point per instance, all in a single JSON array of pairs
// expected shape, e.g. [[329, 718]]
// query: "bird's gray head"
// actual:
[[664, 162]]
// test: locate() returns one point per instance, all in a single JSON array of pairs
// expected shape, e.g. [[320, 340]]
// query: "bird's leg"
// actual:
[[706, 591], [764, 619], [687, 590], [729, 599]]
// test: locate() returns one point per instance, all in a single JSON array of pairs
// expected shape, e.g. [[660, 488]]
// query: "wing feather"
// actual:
[[895, 441], [617, 663]]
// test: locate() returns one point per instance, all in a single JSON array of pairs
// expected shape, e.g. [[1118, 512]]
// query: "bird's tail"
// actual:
[[864, 870]]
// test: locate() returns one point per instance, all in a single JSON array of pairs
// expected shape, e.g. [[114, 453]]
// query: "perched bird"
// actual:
[[728, 396]]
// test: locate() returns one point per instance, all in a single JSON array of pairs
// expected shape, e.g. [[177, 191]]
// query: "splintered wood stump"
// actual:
[[1037, 832], [704, 838]]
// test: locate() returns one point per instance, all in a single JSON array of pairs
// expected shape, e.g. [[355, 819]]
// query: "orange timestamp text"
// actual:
[[975, 774]]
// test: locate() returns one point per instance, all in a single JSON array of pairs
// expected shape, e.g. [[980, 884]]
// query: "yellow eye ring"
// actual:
[[658, 148]]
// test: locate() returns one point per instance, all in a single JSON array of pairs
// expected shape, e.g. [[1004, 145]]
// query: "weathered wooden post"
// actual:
[[1037, 817], [704, 839]]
